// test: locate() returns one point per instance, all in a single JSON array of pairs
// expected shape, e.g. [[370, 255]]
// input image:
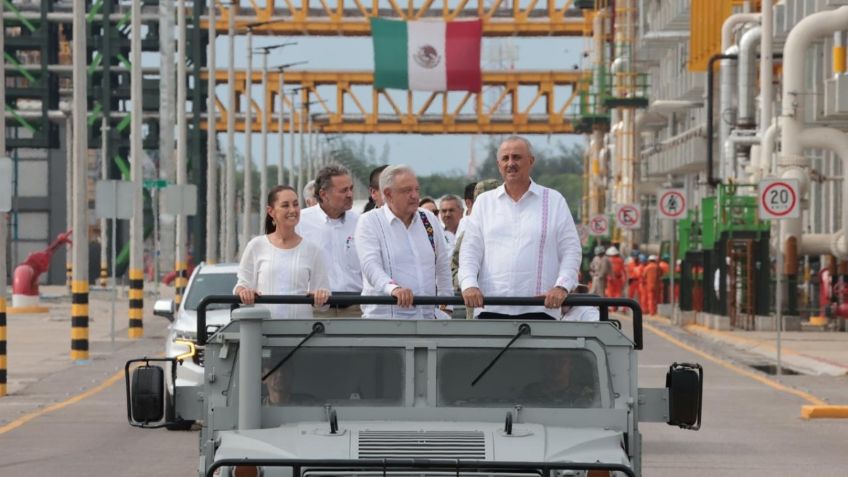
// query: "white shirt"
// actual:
[[394, 256], [271, 270], [335, 239], [521, 248], [450, 239]]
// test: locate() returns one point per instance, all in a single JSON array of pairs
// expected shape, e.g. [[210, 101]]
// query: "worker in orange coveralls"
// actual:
[[634, 276], [652, 282], [664, 278], [617, 277]]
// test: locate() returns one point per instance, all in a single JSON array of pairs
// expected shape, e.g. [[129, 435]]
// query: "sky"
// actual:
[[427, 154]]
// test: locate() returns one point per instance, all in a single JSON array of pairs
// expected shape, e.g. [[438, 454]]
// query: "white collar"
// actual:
[[390, 216], [534, 189]]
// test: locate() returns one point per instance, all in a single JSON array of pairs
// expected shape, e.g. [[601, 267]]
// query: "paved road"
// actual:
[[749, 428]]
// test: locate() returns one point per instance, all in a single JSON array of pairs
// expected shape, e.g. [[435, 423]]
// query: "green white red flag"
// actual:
[[427, 55]]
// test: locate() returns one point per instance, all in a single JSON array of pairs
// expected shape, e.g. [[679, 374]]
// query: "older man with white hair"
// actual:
[[520, 241], [402, 250]]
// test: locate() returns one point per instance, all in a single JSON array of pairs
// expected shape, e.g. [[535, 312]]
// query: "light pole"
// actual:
[[247, 185], [282, 121], [230, 196], [180, 259], [212, 218], [136, 271], [267, 108]]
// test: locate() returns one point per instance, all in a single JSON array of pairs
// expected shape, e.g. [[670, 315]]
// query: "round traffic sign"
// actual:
[[672, 204], [778, 199], [627, 216], [598, 225]]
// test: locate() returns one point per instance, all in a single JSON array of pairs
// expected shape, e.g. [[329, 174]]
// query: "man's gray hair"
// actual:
[[309, 190], [324, 179], [387, 177], [522, 139], [453, 198]]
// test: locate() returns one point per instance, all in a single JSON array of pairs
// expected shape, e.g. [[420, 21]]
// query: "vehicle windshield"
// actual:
[[205, 284], [562, 378], [343, 376]]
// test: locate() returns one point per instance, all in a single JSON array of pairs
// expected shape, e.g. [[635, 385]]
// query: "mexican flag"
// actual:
[[427, 55]]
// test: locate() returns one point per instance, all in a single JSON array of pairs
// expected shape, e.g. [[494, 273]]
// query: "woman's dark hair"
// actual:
[[270, 226], [426, 200]]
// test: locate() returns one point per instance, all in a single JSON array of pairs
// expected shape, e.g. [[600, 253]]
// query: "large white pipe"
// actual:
[[748, 76], [792, 163], [726, 109], [837, 142], [766, 65], [167, 238], [730, 24]]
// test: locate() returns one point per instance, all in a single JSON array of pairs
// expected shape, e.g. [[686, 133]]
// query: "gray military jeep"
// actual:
[[377, 398]]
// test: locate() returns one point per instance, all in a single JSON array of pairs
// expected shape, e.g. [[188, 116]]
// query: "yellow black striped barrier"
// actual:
[[136, 311], [79, 320], [104, 274], [2, 346], [180, 282]]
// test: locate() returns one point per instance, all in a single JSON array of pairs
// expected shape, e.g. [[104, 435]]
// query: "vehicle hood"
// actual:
[[417, 440], [187, 319]]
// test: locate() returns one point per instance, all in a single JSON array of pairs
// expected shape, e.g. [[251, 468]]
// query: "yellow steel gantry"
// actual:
[[539, 103], [351, 17]]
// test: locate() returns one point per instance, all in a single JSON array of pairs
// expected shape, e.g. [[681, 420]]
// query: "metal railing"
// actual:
[[603, 305]]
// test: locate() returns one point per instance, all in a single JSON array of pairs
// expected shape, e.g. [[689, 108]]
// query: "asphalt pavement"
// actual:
[[39, 348]]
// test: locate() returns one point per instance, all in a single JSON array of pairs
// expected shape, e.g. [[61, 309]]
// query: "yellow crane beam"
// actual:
[[351, 17], [527, 102]]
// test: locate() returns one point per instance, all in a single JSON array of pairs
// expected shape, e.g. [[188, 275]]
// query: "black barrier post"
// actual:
[[347, 300]]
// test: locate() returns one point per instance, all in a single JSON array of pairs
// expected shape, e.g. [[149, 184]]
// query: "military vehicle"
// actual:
[[402, 398]]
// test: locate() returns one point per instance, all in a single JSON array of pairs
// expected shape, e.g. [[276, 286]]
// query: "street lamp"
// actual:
[[266, 116], [281, 125]]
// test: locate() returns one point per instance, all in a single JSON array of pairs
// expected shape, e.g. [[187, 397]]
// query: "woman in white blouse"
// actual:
[[281, 262]]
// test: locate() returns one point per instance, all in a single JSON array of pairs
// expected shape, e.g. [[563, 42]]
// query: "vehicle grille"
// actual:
[[422, 445]]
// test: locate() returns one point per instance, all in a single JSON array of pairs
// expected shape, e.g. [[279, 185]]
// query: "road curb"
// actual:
[[824, 412]]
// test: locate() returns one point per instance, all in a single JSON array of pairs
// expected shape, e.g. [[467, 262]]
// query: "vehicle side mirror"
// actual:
[[147, 394], [685, 383], [165, 309]]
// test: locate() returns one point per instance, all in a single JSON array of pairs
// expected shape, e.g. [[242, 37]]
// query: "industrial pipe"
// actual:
[[712, 181], [766, 64], [726, 107], [748, 77], [732, 22]]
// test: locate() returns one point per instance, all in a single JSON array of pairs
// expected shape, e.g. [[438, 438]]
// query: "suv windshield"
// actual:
[[563, 378], [205, 284], [347, 376]]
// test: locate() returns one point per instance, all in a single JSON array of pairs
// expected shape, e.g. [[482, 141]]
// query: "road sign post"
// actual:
[[779, 199], [671, 205], [110, 202]]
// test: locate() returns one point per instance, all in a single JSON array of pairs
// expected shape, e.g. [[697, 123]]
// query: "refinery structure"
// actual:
[[703, 98]]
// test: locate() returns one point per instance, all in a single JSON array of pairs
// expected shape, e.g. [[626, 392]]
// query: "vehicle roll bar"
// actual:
[[576, 299]]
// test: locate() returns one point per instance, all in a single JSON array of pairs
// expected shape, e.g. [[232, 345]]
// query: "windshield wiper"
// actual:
[[523, 329], [317, 329]]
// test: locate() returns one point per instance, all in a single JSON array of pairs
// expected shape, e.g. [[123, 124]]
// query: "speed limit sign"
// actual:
[[779, 199]]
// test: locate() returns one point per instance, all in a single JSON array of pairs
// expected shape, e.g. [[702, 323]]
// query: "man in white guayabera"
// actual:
[[520, 241], [402, 250]]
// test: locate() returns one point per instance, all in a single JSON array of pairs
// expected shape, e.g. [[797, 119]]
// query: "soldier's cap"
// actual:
[[485, 186]]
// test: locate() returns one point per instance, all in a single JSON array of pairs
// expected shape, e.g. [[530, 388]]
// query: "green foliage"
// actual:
[[560, 168]]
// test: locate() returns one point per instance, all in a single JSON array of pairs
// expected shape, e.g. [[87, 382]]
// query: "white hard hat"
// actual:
[[612, 251], [652, 257]]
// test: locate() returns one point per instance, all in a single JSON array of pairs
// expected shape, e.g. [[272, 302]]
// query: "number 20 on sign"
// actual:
[[779, 199]]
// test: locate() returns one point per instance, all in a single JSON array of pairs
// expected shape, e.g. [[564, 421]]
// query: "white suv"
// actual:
[[219, 279]]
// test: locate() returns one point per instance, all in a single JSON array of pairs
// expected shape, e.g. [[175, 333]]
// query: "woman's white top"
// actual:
[[271, 270]]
